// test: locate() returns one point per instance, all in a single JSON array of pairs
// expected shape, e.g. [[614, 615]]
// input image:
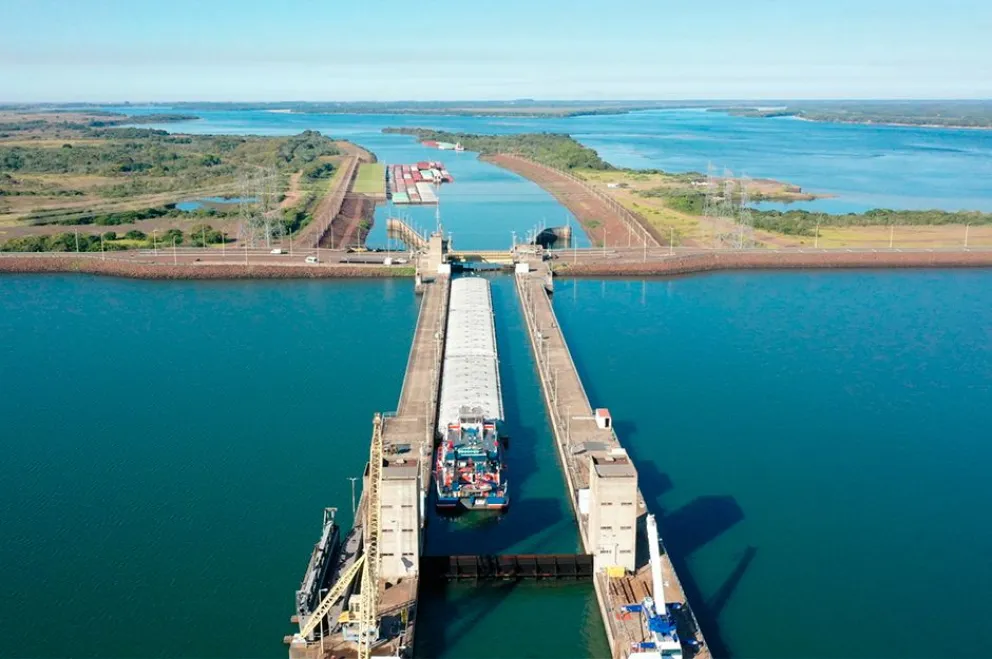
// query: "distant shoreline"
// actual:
[[801, 115]]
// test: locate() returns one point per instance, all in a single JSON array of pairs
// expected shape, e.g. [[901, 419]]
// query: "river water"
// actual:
[[811, 440], [863, 167]]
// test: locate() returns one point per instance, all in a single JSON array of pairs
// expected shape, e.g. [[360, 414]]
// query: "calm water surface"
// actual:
[[863, 166], [813, 440], [168, 449], [816, 444]]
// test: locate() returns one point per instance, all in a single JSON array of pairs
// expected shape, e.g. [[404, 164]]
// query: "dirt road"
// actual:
[[601, 220]]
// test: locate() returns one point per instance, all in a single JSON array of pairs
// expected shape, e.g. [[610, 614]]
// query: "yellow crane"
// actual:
[[368, 627], [332, 596], [369, 612]]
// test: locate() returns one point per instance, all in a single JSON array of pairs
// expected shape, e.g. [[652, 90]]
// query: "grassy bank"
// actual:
[[371, 179], [64, 169]]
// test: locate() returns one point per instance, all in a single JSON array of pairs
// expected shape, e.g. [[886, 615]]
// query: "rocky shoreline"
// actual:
[[137, 270], [708, 262]]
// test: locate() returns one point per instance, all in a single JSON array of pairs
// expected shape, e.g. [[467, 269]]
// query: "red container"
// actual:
[[423, 165]]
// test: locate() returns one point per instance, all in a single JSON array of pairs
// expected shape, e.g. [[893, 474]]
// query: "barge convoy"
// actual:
[[468, 470], [417, 183]]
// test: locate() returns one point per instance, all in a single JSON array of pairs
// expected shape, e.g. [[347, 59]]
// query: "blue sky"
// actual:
[[161, 50]]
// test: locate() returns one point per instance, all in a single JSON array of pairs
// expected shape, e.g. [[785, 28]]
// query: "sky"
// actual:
[[336, 50]]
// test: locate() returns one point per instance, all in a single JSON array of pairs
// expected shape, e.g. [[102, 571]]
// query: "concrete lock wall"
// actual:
[[400, 516]]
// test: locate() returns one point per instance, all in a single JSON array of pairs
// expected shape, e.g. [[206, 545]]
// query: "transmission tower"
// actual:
[[745, 220], [727, 209], [710, 204], [258, 207], [247, 210]]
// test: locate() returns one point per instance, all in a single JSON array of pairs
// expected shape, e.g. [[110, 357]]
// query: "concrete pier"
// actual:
[[407, 439], [602, 482]]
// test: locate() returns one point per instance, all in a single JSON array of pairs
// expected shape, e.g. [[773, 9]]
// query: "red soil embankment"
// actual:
[[599, 218], [346, 230], [704, 262], [31, 264]]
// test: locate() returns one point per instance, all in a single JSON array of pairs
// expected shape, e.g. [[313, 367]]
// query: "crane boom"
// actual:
[[370, 576], [332, 596], [653, 547]]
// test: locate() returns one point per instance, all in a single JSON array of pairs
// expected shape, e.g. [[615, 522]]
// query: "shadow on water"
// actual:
[[538, 519], [530, 520], [443, 627], [686, 530]]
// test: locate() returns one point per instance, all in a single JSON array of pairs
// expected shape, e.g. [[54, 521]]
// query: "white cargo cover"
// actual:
[[470, 376]]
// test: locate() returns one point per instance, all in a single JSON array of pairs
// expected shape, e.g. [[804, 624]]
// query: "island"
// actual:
[[936, 114]]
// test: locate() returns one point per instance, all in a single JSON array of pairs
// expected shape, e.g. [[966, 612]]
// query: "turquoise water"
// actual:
[[168, 449], [813, 442], [816, 444], [864, 166], [470, 621], [811, 438]]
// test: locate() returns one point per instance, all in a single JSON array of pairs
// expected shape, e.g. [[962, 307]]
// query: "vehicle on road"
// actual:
[[278, 251], [312, 259]]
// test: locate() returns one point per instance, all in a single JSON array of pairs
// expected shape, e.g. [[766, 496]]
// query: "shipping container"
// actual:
[[426, 192], [423, 165], [400, 198]]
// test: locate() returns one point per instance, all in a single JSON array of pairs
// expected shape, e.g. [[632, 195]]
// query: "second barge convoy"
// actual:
[[468, 471]]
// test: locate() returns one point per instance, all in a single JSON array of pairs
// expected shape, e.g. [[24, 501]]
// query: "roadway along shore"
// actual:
[[207, 264], [186, 268], [634, 262]]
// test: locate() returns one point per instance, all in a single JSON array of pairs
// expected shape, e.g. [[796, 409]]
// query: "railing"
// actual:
[[630, 218]]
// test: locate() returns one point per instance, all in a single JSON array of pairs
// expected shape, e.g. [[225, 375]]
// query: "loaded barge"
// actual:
[[469, 472], [417, 183]]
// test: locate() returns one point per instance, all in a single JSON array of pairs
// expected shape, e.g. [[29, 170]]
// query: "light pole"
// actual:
[[354, 507], [155, 241], [967, 228], [568, 425], [175, 257]]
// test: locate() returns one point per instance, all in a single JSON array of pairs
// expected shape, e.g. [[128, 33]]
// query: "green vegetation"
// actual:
[[197, 236], [85, 122], [318, 170], [122, 217], [803, 223], [298, 216], [552, 149], [371, 179], [950, 114]]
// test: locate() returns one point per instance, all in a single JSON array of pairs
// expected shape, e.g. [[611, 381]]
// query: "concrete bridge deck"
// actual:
[[583, 444]]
